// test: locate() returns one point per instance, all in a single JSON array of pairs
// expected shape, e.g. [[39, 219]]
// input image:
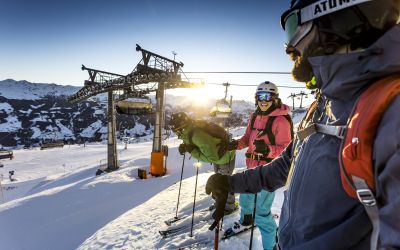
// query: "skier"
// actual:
[[341, 48], [268, 132], [206, 142]]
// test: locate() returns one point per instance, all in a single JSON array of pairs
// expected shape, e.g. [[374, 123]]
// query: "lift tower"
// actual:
[[152, 68]]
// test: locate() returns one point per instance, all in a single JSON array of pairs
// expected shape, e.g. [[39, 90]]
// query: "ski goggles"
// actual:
[[297, 22], [265, 96], [295, 31]]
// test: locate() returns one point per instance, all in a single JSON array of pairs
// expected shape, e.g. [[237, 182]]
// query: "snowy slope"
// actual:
[[58, 203]]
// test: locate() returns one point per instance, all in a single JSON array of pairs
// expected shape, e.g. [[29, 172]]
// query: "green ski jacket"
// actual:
[[207, 146]]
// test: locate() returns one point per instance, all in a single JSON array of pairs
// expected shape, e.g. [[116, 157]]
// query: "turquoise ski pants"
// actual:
[[264, 220]]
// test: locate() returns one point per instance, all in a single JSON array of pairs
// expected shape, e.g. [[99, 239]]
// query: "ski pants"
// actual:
[[227, 169], [263, 219]]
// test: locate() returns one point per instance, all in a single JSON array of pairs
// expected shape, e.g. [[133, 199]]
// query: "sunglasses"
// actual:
[[265, 96]]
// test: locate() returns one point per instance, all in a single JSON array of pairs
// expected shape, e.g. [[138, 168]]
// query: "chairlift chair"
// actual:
[[135, 106], [4, 154], [221, 109]]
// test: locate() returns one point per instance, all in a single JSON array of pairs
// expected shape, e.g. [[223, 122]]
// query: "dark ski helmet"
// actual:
[[339, 22], [179, 121]]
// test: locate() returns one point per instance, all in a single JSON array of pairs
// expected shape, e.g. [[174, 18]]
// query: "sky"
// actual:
[[48, 41]]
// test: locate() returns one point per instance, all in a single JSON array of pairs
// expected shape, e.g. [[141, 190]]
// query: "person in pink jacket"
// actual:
[[268, 133]]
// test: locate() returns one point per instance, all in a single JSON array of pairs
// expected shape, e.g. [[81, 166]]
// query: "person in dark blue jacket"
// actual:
[[339, 48]]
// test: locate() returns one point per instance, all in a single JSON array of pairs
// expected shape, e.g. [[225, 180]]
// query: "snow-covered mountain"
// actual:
[[33, 113], [24, 90]]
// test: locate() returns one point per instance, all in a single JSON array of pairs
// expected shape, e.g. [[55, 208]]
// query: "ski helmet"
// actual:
[[179, 121], [267, 87], [266, 91], [339, 22]]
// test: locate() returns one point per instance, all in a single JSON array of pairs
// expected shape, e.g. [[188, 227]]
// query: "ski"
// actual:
[[225, 237], [202, 242], [274, 215], [183, 228], [171, 221]]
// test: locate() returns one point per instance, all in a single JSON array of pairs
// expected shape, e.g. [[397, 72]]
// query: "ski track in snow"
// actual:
[[58, 203]]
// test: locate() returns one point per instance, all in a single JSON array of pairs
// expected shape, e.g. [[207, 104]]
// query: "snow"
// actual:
[[40, 118], [57, 201], [24, 90], [98, 112], [6, 107], [12, 124], [91, 129], [36, 132], [64, 131]]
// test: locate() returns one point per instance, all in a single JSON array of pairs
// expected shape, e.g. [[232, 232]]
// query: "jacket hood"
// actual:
[[342, 76], [282, 110]]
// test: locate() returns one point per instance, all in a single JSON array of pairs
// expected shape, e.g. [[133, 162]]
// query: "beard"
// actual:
[[302, 70]]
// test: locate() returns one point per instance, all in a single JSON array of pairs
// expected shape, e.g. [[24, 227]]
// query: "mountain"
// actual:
[[33, 113]]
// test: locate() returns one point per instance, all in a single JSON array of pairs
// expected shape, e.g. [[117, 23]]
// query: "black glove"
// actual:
[[261, 147], [218, 186], [183, 148], [232, 145]]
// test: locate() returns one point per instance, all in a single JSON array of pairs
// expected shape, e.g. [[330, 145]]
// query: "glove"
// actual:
[[232, 145], [183, 148], [261, 147], [218, 186]]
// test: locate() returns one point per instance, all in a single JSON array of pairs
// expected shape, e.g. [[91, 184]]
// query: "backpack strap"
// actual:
[[268, 128], [337, 131], [253, 119], [190, 136], [289, 119]]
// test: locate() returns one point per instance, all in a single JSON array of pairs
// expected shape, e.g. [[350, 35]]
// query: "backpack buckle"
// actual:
[[304, 133], [341, 131], [366, 197]]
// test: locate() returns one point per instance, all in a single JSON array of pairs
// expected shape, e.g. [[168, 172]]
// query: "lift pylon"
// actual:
[[152, 68]]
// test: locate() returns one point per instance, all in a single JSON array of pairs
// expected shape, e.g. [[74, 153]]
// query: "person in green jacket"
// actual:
[[205, 147]]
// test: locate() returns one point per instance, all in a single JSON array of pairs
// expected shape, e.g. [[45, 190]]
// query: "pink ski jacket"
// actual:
[[280, 128]]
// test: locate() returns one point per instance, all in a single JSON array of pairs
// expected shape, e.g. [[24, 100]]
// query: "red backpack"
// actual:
[[356, 150]]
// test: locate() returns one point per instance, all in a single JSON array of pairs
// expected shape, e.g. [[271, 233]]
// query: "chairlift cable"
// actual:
[[240, 72], [255, 85]]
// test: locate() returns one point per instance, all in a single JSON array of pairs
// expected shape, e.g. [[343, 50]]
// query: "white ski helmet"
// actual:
[[267, 87]]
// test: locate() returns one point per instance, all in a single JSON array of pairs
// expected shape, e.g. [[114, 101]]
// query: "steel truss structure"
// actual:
[[152, 68]]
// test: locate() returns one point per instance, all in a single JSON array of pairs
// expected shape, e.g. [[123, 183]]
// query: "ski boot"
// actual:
[[239, 227]]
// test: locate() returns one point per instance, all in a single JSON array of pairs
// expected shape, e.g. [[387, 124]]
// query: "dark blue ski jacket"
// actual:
[[316, 212]]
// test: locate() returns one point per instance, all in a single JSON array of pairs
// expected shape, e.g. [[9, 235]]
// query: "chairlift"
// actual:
[[135, 106], [4, 154], [222, 109], [52, 143]]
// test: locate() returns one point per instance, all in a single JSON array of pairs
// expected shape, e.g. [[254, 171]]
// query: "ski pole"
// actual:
[[180, 185], [252, 223], [254, 211], [197, 165], [216, 236]]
